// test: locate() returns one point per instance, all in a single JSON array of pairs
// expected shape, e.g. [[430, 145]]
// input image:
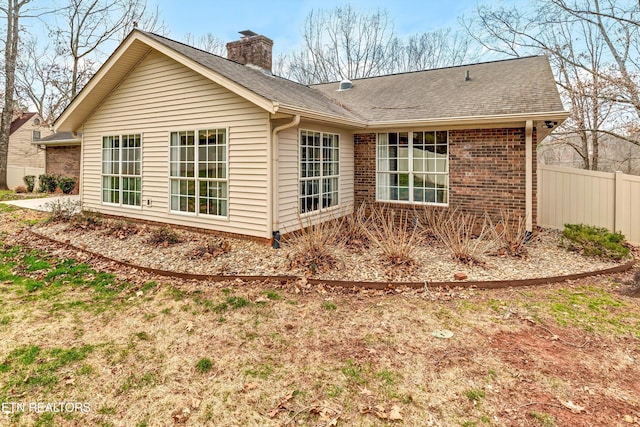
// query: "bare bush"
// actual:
[[164, 236], [122, 229], [212, 249], [312, 246], [354, 229], [394, 234], [513, 234], [466, 237], [86, 220], [62, 209]]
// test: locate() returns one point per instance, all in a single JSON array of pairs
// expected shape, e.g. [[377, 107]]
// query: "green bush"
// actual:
[[29, 182], [595, 241], [66, 184], [48, 183]]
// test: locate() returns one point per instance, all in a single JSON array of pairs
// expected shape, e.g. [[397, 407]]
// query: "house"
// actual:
[[62, 154], [176, 135], [25, 156]]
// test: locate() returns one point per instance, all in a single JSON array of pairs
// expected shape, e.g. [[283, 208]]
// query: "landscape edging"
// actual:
[[350, 284]]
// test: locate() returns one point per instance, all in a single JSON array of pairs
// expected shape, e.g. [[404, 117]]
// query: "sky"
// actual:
[[283, 21]]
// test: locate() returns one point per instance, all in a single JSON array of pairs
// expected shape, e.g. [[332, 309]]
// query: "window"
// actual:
[[198, 173], [122, 170], [413, 167], [35, 135], [319, 170]]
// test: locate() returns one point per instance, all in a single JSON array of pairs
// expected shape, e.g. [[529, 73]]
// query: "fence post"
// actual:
[[617, 197]]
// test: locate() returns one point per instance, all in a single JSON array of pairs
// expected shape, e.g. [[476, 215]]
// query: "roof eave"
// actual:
[[558, 116], [322, 117], [62, 142]]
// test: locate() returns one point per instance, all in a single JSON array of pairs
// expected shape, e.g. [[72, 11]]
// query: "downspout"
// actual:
[[275, 222], [529, 176]]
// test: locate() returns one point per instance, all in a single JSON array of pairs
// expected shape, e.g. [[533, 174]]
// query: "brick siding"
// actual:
[[64, 161], [486, 171]]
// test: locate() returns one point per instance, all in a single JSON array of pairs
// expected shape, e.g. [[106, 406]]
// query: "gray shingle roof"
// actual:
[[524, 85], [513, 86]]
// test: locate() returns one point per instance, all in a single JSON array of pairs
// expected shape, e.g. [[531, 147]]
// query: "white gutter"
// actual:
[[528, 136], [273, 212], [472, 120]]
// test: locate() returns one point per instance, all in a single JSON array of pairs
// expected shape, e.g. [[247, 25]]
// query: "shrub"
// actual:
[[212, 249], [47, 183], [466, 237], [312, 244], [594, 241], [29, 182], [512, 234], [20, 189], [164, 236], [354, 229], [394, 234], [62, 210], [66, 184], [87, 220]]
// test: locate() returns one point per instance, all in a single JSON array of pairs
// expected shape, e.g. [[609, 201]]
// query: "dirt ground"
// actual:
[[283, 354]]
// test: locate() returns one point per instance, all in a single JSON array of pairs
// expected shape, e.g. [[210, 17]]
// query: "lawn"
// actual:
[[109, 348]]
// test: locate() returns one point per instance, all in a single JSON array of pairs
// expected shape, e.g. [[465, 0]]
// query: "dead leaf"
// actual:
[[366, 392], [395, 414], [273, 413], [248, 387], [195, 403], [181, 415], [572, 406], [380, 412]]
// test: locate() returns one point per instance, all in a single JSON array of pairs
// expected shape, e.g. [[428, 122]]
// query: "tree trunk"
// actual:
[[10, 54]]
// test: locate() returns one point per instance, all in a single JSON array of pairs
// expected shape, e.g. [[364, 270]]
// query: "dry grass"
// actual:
[[142, 350]]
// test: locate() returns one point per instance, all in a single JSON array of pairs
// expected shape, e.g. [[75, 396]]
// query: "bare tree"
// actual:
[[339, 44], [207, 42], [42, 79], [13, 10], [593, 47], [89, 24], [346, 43]]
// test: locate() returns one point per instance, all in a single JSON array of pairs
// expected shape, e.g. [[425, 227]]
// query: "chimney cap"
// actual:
[[248, 33]]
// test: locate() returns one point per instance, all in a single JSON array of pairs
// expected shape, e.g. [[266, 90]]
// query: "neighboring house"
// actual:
[[25, 156], [63, 155], [177, 135]]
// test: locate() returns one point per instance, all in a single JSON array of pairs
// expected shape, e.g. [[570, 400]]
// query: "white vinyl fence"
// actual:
[[15, 175], [576, 196]]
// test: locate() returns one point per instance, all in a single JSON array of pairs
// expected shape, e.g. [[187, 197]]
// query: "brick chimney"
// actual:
[[251, 49]]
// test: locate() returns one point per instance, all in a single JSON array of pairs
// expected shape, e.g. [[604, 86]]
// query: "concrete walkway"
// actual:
[[43, 204]]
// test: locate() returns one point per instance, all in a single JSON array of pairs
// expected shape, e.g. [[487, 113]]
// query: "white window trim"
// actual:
[[411, 172], [196, 178], [120, 175], [321, 210]]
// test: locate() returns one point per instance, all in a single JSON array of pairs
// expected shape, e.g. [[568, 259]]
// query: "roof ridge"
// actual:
[[433, 69]]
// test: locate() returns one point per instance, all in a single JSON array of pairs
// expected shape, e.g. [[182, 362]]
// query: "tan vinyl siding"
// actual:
[[22, 153], [288, 143], [161, 96]]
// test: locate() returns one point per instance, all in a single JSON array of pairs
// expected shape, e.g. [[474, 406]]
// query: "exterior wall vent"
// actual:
[[345, 85]]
